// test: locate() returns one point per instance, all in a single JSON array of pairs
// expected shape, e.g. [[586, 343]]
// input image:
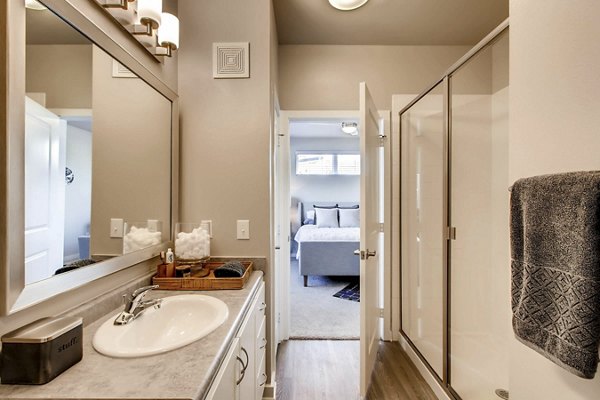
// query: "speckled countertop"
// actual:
[[185, 373]]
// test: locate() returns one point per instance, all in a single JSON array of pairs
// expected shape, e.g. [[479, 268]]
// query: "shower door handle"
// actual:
[[364, 255]]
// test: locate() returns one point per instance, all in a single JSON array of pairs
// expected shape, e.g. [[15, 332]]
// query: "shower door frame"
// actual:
[[444, 381]]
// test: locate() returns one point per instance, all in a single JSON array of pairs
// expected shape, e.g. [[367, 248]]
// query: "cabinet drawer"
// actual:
[[261, 377], [260, 310], [261, 336], [261, 306]]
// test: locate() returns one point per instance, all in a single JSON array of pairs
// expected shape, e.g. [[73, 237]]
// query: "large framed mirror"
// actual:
[[90, 147]]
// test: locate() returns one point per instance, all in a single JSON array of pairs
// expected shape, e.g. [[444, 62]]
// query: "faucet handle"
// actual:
[[141, 290]]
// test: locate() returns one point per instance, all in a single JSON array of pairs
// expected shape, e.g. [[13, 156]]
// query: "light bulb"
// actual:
[[168, 32], [149, 12]]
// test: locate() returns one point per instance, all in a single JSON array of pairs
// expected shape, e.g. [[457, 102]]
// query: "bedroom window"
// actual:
[[314, 163]]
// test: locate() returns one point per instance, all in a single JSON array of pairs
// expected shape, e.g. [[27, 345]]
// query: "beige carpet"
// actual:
[[316, 314]]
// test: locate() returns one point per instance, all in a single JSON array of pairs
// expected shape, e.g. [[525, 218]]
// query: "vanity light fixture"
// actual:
[[149, 14], [122, 4], [157, 31], [167, 35], [347, 5], [350, 128], [34, 5]]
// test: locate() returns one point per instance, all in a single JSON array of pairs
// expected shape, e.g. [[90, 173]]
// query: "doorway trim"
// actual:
[[283, 281]]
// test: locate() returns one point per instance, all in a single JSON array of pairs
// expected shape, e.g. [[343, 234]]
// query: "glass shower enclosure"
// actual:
[[455, 277]]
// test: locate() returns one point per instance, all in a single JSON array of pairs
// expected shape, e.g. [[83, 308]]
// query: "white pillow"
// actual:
[[349, 218], [327, 217]]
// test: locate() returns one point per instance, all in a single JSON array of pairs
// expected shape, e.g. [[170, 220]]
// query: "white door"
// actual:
[[370, 139], [282, 228], [45, 154]]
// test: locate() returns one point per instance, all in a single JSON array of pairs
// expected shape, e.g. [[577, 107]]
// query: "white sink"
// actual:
[[179, 321]]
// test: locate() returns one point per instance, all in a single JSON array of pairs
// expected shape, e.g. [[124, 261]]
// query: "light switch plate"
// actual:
[[116, 227], [243, 229], [207, 224], [153, 225]]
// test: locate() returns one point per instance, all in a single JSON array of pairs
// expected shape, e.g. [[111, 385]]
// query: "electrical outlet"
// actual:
[[243, 229], [116, 227]]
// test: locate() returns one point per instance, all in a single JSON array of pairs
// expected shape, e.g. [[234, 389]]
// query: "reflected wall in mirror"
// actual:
[[97, 148]]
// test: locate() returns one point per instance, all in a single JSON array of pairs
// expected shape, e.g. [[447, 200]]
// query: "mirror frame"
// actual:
[[14, 295]]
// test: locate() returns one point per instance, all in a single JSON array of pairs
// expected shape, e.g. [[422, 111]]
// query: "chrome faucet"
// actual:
[[135, 305]]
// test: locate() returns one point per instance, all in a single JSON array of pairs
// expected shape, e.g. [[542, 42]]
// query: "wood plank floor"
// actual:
[[329, 370]]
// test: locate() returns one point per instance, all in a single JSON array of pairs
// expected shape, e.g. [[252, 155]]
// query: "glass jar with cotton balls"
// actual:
[[192, 243], [141, 235]]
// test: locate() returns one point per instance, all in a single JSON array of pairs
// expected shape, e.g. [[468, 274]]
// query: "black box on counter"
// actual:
[[39, 352]]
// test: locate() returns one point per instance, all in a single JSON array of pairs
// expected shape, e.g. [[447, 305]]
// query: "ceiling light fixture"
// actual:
[[350, 128], [347, 5]]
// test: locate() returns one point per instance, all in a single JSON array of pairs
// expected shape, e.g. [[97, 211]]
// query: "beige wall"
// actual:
[[554, 119], [131, 155], [63, 72], [326, 77], [226, 126]]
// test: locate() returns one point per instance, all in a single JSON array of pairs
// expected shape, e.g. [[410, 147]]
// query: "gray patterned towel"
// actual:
[[555, 251]]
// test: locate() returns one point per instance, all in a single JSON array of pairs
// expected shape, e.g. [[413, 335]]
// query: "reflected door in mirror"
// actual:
[[45, 156]]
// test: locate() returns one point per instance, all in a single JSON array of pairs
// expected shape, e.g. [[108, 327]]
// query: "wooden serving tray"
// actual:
[[209, 282]]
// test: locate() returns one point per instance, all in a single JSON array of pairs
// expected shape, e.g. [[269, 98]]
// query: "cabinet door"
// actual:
[[261, 343], [224, 386], [247, 337]]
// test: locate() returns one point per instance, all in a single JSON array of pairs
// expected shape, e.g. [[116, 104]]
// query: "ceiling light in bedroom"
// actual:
[[347, 5], [350, 128]]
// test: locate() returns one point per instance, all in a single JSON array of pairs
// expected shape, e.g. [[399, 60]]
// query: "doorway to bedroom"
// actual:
[[324, 155]]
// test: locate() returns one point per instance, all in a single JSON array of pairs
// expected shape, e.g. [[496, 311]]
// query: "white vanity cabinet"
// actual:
[[242, 374]]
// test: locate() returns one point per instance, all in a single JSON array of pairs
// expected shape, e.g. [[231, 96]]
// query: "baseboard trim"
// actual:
[[433, 383], [270, 391]]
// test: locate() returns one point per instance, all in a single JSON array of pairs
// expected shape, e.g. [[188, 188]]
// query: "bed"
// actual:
[[326, 251]]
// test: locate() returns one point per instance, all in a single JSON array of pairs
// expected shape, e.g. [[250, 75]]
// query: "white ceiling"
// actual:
[[320, 128], [389, 22]]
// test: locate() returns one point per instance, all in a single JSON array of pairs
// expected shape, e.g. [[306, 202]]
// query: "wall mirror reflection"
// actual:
[[97, 153]]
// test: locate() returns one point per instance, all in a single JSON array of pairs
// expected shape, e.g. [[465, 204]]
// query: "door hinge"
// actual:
[[450, 233], [381, 228], [381, 313]]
